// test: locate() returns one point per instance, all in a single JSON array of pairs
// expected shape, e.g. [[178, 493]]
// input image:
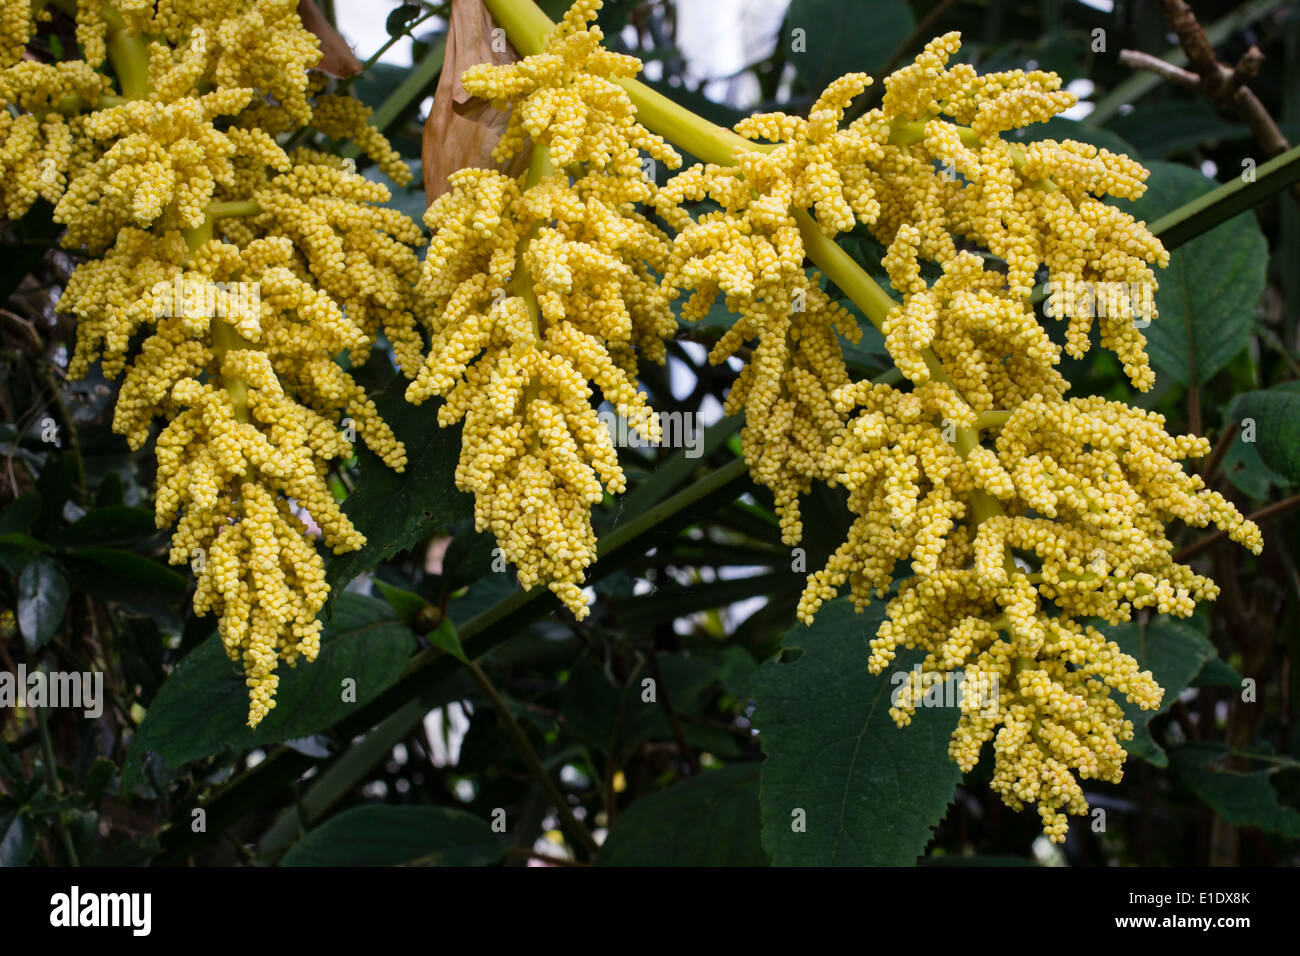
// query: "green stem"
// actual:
[[986, 420], [1219, 205], [525, 750], [129, 54], [406, 93], [346, 84], [232, 209], [528, 29], [225, 339], [690, 131], [525, 24], [521, 283], [52, 782], [839, 267], [75, 103], [983, 505], [196, 237], [224, 336], [334, 783]]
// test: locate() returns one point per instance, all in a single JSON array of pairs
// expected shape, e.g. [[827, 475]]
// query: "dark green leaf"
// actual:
[[30, 236], [396, 511], [378, 82], [135, 852], [445, 638], [112, 572], [16, 549], [1245, 467], [1242, 799], [593, 706], [9, 764], [842, 36], [488, 591], [1208, 296], [1174, 652], [42, 598], [708, 820], [17, 839], [23, 514], [1218, 673], [869, 792], [202, 707], [1161, 130], [393, 836], [400, 17], [406, 604], [1273, 416], [132, 579], [114, 526]]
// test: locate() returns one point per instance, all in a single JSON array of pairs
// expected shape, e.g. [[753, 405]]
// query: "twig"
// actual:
[[1212, 462], [1222, 85], [611, 756], [34, 345], [662, 692], [1247, 68], [1184, 718], [1138, 60], [52, 782], [1197, 46], [346, 84], [576, 830], [1280, 347]]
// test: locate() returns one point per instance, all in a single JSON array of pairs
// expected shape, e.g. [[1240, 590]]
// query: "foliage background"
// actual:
[[754, 717]]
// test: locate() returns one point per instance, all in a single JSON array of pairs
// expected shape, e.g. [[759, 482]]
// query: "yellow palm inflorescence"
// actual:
[[240, 270], [541, 289], [1019, 509]]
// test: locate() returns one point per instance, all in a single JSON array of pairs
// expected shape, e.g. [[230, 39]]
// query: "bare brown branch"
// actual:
[[1225, 87]]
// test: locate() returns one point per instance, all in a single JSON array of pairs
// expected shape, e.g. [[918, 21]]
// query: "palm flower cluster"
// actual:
[[1023, 512], [233, 271], [540, 289]]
